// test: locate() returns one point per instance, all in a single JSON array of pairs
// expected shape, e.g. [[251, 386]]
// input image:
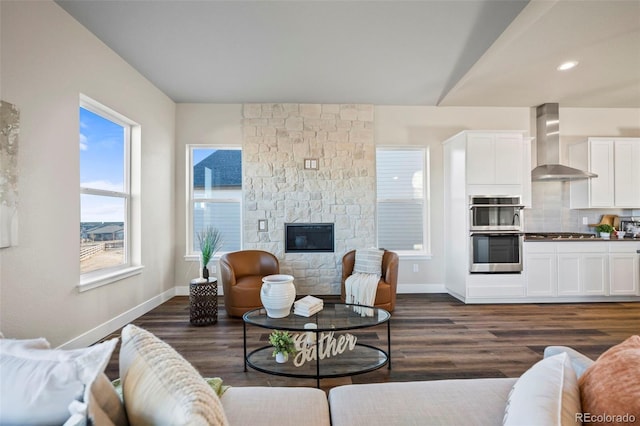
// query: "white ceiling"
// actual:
[[429, 52]]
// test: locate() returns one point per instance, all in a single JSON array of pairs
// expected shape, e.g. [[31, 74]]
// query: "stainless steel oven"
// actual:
[[493, 213], [496, 234], [496, 252]]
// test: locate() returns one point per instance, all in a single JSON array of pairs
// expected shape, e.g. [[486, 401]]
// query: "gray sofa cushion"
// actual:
[[278, 406], [441, 402]]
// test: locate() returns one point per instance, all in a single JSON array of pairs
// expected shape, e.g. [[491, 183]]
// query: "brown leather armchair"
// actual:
[[241, 273], [388, 284]]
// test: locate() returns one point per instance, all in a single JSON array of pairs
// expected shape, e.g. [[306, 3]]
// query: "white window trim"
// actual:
[[101, 277], [96, 279], [190, 255], [425, 253]]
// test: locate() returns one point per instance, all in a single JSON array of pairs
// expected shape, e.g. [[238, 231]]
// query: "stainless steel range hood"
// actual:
[[548, 148]]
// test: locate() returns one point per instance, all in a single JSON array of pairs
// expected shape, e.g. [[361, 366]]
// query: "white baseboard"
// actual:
[[99, 332], [421, 288], [182, 290]]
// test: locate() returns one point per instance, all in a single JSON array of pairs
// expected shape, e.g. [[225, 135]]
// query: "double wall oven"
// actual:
[[496, 233]]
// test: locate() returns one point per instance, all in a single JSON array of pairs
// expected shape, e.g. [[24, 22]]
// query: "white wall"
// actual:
[[198, 124], [48, 59]]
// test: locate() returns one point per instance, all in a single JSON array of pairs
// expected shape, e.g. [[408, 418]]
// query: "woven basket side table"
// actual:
[[203, 301]]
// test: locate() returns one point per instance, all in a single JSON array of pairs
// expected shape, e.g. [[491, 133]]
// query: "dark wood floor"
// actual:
[[434, 336]]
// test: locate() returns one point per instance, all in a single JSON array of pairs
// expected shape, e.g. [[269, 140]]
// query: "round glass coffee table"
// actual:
[[328, 350]]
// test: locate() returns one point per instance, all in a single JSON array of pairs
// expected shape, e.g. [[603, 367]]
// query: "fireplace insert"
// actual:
[[308, 237]]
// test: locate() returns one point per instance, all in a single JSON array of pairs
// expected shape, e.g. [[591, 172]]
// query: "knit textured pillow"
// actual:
[[368, 261], [160, 387], [610, 387]]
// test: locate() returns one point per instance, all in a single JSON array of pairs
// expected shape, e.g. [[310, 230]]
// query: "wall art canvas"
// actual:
[[9, 129]]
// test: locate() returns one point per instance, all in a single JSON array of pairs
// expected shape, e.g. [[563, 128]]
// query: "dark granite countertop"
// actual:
[[570, 236]]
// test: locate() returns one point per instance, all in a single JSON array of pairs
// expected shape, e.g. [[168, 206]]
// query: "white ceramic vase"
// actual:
[[605, 235], [281, 357], [277, 295]]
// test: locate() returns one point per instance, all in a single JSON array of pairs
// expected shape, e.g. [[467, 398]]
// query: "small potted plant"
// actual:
[[605, 230], [210, 240], [283, 345]]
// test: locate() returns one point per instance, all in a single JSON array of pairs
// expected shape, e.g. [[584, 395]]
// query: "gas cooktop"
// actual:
[[558, 236]]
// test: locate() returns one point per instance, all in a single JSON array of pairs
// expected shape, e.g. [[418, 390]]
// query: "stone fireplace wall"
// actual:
[[277, 138]]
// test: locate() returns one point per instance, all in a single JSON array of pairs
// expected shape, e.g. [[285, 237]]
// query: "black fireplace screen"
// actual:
[[308, 237]]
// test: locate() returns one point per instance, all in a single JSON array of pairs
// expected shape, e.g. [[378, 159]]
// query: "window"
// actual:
[[105, 199], [401, 200], [215, 195]]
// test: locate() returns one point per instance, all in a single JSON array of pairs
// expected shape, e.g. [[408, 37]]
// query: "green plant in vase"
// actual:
[[283, 345], [210, 240], [605, 230]]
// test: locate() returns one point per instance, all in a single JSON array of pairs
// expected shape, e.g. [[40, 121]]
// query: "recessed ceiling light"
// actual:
[[567, 65]]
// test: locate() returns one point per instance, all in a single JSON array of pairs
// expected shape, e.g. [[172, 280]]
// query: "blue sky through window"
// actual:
[[102, 161], [201, 153]]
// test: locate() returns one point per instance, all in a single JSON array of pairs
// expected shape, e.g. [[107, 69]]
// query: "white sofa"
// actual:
[[160, 387], [439, 402], [551, 392]]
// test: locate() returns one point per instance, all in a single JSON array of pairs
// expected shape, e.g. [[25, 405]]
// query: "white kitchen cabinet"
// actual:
[[624, 269], [615, 161], [624, 274], [495, 159], [569, 275], [541, 269], [583, 268], [481, 160], [577, 270], [490, 162], [595, 269], [601, 163], [627, 172]]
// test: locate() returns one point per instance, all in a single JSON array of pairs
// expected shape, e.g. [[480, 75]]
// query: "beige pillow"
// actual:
[[104, 406], [160, 387], [610, 387], [546, 394], [368, 261]]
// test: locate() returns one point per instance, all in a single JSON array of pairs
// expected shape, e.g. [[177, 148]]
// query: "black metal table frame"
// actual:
[[317, 331]]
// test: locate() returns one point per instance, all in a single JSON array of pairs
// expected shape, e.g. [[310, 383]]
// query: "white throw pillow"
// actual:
[[368, 261], [38, 386], [546, 394], [160, 387]]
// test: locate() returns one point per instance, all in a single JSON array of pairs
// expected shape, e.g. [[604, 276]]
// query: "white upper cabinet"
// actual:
[[616, 161], [491, 162], [626, 158], [495, 159]]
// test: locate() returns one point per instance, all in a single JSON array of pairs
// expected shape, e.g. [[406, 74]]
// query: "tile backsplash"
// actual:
[[550, 210]]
